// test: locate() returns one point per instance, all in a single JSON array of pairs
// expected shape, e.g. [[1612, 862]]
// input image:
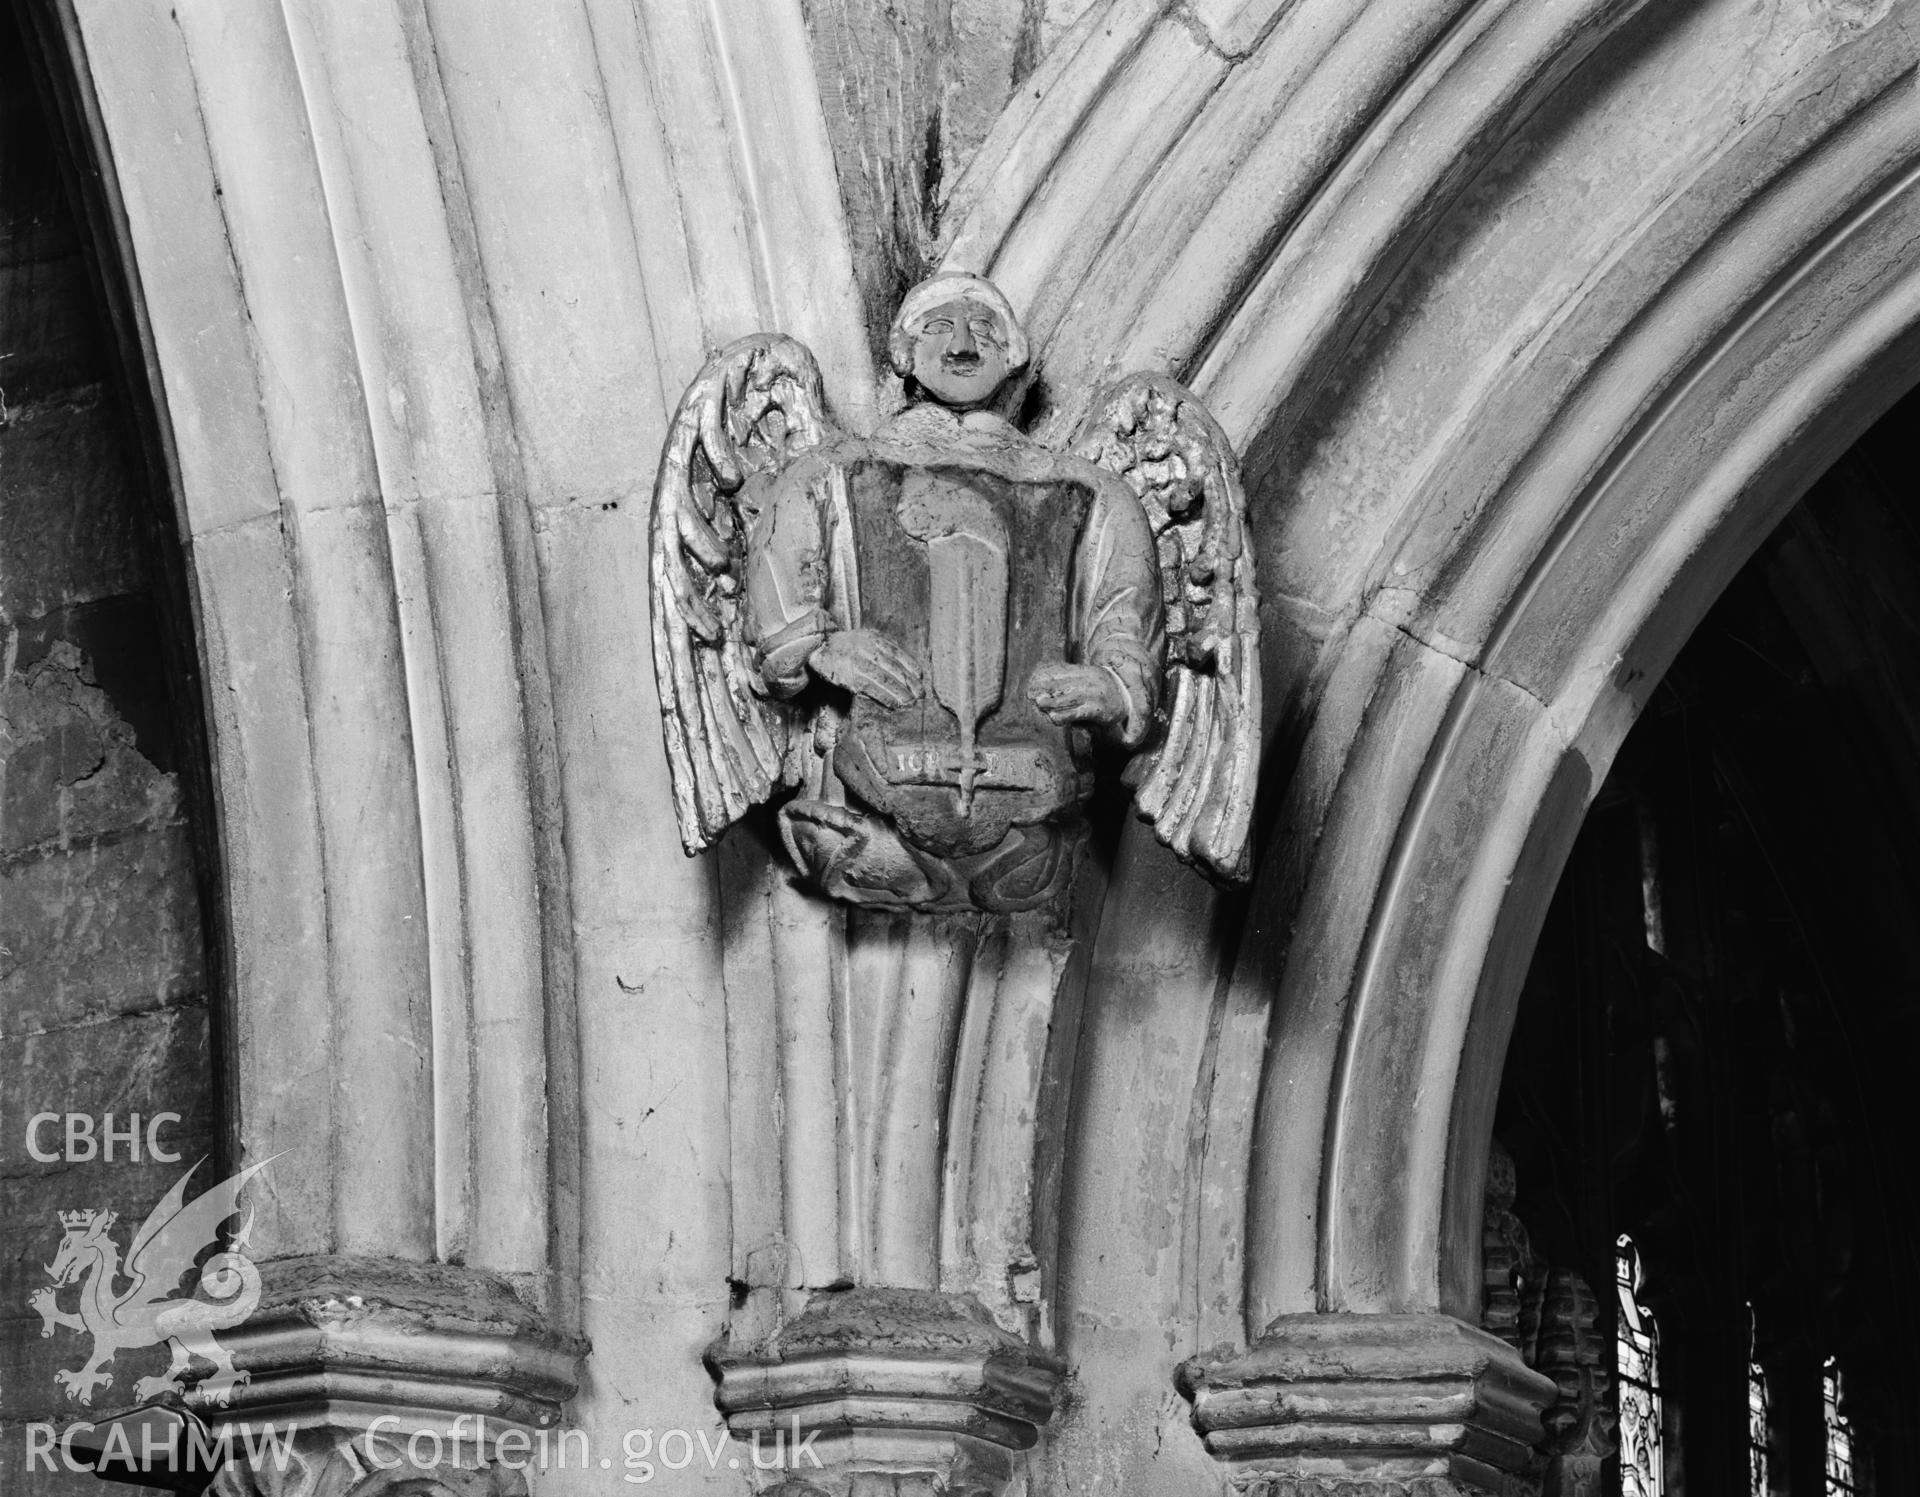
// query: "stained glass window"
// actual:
[[1840, 1474], [1637, 1350], [1756, 1413]]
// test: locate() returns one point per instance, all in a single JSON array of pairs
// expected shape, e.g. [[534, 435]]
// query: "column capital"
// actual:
[[1370, 1406], [320, 1463], [900, 1389], [359, 1354]]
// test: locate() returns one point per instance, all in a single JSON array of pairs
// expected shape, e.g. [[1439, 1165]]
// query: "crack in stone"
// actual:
[[161, 1007], [1478, 669], [80, 843], [1203, 35]]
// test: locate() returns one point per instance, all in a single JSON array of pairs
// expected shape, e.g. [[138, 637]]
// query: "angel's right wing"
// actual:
[[755, 407]]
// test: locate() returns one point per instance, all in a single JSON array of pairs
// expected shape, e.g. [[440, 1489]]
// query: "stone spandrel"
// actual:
[[95, 867], [69, 531], [914, 639], [102, 996], [103, 1008]]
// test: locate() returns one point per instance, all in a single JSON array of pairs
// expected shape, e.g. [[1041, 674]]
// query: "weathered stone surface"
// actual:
[[147, 1064], [902, 1385], [909, 92], [69, 531], [33, 1359], [109, 928], [422, 1342], [71, 772], [271, 861], [1398, 1400], [102, 999], [52, 333], [323, 1462], [58, 1482], [96, 872]]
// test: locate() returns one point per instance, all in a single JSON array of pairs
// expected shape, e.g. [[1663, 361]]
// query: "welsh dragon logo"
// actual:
[[145, 1312]]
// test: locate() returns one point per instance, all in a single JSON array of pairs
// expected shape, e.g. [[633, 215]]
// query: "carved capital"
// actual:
[[1574, 1352], [890, 1391], [1334, 1486], [1370, 1405], [322, 1463], [360, 1376]]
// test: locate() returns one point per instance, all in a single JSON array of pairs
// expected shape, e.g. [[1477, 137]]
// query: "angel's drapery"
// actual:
[[797, 592], [1118, 618]]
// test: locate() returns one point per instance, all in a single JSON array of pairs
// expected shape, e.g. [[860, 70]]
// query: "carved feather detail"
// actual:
[[755, 406], [1195, 780]]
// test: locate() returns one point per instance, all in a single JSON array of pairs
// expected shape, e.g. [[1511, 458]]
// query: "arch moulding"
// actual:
[[1530, 317], [1522, 381], [409, 285]]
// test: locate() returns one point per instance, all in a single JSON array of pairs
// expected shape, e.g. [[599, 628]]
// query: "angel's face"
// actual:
[[960, 354]]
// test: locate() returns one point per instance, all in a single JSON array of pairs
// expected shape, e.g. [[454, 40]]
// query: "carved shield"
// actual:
[[971, 573]]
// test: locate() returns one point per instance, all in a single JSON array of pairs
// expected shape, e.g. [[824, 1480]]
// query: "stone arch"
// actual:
[[417, 286], [309, 614], [1294, 207], [413, 289], [1788, 330]]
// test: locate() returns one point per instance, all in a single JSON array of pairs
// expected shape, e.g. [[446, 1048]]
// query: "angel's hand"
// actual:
[[873, 665], [1078, 694]]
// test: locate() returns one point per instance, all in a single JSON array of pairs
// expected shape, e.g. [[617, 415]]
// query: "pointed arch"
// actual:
[[1520, 389]]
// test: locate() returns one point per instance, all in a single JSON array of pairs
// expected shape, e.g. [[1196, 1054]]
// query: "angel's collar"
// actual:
[[931, 435], [926, 420]]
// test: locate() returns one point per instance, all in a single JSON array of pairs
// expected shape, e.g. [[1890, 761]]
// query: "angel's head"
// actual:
[[957, 338]]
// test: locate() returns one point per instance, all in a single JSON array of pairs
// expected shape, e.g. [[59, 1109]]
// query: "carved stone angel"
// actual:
[[924, 630]]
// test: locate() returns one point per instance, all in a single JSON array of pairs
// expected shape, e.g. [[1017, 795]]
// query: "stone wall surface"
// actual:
[[1529, 318], [103, 982]]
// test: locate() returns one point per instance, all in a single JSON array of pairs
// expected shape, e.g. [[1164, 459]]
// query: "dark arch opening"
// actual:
[[1713, 1048]]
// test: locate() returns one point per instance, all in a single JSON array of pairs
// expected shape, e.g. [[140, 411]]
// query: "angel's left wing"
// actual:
[[175, 1234], [1195, 780]]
